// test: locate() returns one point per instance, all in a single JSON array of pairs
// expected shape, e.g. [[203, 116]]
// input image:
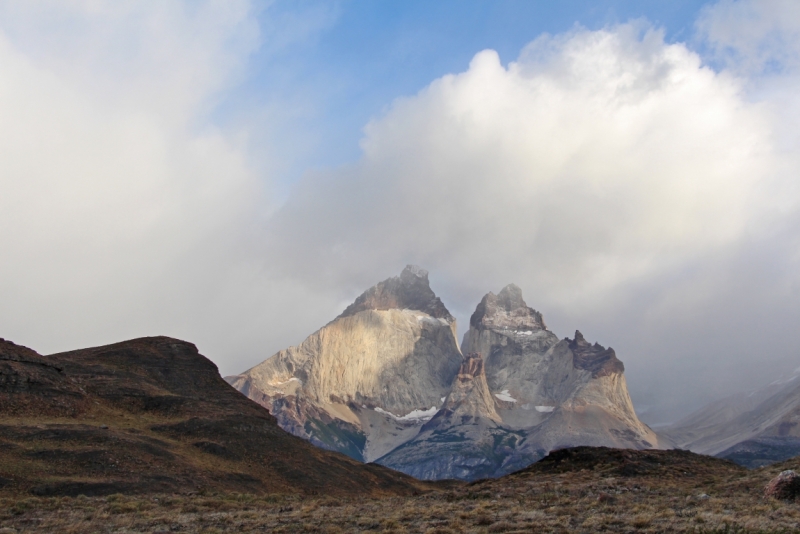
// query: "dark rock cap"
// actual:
[[599, 360], [411, 290], [506, 309]]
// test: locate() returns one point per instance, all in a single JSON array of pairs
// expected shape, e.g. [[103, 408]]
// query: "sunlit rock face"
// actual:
[[367, 381], [385, 381]]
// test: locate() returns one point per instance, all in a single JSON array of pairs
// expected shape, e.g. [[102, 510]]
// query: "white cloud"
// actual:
[[622, 183], [124, 210], [596, 158]]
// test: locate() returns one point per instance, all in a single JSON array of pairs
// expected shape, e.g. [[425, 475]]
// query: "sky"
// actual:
[[234, 173]]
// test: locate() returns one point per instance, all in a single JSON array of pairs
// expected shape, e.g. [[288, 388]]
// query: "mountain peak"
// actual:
[[507, 309], [510, 298], [579, 339], [411, 290], [414, 270], [596, 358]]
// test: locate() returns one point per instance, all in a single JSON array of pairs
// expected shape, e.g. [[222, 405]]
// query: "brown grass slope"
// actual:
[[153, 415], [585, 490]]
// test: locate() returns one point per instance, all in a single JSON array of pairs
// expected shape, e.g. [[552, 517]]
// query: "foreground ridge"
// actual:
[[152, 415], [583, 490]]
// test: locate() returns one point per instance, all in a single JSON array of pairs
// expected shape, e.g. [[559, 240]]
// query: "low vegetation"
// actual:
[[593, 490]]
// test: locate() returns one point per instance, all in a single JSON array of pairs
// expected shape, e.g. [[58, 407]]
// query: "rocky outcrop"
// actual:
[[785, 486], [366, 382], [598, 360], [469, 396]]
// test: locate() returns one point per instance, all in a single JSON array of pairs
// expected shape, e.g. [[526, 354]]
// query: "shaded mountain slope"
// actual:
[[153, 415], [521, 393], [465, 439]]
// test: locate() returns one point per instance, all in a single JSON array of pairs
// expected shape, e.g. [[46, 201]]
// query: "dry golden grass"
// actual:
[[582, 501]]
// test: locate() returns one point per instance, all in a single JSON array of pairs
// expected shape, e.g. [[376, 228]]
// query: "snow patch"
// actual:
[[545, 409], [525, 333], [443, 398], [414, 415], [505, 396]]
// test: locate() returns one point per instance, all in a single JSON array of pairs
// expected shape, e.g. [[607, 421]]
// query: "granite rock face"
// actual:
[[386, 382], [466, 438], [367, 381], [547, 394]]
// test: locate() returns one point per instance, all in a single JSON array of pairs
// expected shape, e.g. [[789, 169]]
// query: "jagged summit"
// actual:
[[596, 358], [507, 309], [411, 290]]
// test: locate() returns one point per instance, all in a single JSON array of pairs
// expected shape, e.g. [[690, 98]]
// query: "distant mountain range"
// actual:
[[386, 382], [752, 429]]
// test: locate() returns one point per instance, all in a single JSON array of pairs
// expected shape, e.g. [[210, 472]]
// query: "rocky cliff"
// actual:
[[367, 381], [386, 382], [466, 439], [546, 394]]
